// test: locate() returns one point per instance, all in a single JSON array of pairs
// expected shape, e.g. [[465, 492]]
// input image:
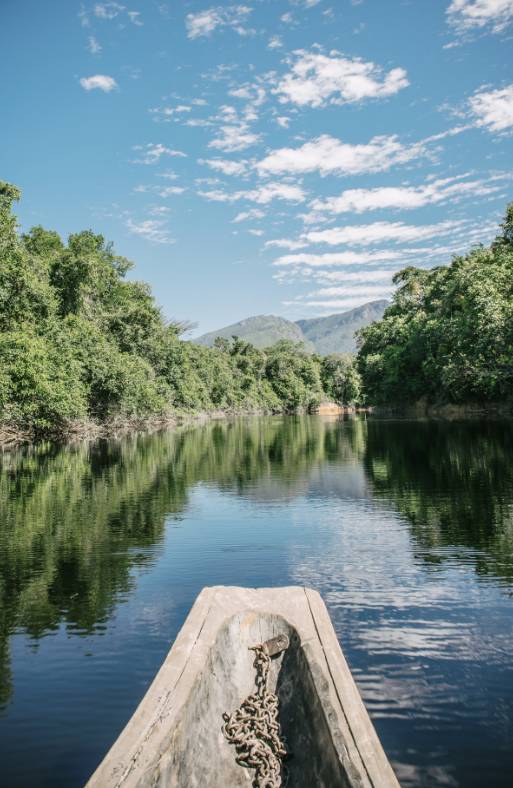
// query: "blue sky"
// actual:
[[271, 156]]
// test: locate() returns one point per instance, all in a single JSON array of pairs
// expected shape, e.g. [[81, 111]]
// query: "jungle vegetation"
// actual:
[[80, 343], [448, 335]]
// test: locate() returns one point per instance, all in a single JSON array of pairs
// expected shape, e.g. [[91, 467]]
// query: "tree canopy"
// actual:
[[448, 335], [79, 342]]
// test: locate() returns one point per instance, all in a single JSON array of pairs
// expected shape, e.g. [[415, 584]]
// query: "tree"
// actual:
[[340, 378], [79, 342], [25, 293], [448, 335]]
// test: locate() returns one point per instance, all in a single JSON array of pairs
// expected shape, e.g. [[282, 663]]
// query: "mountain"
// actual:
[[324, 335], [261, 331], [335, 333]]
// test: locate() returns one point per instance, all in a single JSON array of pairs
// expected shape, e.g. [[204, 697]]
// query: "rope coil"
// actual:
[[254, 728]]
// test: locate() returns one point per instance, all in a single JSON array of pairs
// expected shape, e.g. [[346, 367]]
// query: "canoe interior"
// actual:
[[175, 739], [198, 753]]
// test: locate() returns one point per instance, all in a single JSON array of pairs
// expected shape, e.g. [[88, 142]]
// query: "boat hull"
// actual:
[[175, 739]]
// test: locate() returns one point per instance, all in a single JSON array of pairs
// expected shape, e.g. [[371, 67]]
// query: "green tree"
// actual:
[[25, 293], [340, 378], [81, 343], [448, 335]]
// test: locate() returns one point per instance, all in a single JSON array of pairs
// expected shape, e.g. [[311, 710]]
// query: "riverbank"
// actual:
[[465, 410], [11, 437]]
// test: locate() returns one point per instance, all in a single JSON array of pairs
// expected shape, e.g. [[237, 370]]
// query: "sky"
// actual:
[[268, 157]]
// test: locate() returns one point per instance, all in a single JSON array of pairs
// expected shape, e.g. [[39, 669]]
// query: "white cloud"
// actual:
[[467, 15], [253, 213], [134, 18], [339, 303], [369, 292], [170, 175], [316, 79], [151, 153], [84, 19], [258, 233], [100, 82], [370, 234], [93, 46], [162, 191], [108, 10], [367, 234], [275, 42], [169, 191], [244, 92], [205, 22], [327, 155], [334, 259], [234, 138], [159, 210], [262, 195], [275, 191], [493, 109], [226, 166], [197, 123], [254, 93], [403, 197], [285, 243], [166, 113], [306, 3], [380, 274], [312, 217], [283, 121], [154, 230]]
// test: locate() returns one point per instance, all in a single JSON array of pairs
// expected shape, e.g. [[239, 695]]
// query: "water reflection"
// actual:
[[405, 528], [75, 520], [453, 482]]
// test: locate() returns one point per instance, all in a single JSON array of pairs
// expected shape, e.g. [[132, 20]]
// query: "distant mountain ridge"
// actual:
[[323, 335]]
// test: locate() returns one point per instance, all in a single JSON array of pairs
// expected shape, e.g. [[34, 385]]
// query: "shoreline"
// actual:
[[11, 438], [446, 411]]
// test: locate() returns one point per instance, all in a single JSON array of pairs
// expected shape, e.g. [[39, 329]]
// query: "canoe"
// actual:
[[178, 737]]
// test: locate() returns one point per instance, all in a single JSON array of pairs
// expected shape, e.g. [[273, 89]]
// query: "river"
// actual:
[[405, 528]]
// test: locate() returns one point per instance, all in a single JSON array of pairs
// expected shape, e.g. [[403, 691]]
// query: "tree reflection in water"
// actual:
[[75, 520]]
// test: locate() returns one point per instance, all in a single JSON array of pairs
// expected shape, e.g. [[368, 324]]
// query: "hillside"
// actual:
[[261, 330], [324, 335], [335, 333]]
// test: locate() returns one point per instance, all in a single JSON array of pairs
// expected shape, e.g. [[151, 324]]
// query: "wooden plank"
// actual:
[[133, 748], [362, 730]]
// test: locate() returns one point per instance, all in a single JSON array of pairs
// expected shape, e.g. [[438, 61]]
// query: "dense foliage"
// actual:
[[448, 335], [81, 343]]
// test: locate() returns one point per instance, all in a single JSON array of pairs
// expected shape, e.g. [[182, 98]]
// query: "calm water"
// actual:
[[406, 529]]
